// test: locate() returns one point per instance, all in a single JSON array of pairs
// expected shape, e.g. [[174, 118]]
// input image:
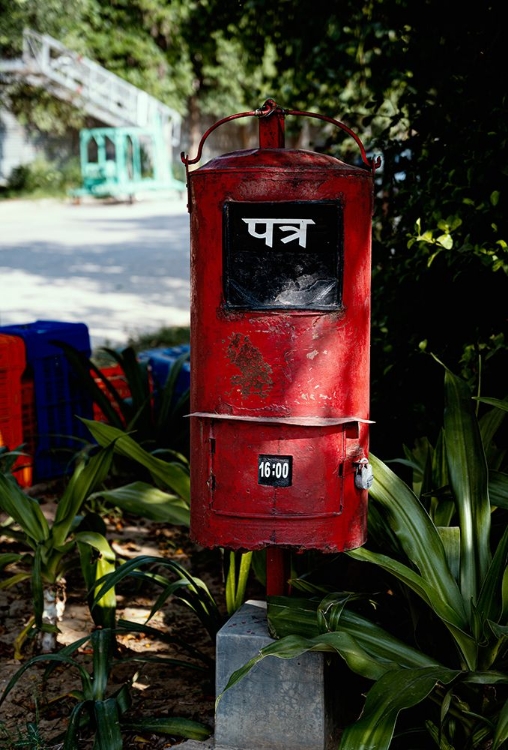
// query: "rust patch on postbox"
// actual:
[[255, 377]]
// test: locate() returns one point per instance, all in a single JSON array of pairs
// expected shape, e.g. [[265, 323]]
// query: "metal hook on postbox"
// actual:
[[364, 477], [270, 107]]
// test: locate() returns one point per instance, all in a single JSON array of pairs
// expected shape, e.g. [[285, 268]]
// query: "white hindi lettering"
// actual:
[[298, 227]]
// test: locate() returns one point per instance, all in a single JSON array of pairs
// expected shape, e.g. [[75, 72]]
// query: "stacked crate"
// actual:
[[52, 399], [15, 392], [116, 377], [160, 361]]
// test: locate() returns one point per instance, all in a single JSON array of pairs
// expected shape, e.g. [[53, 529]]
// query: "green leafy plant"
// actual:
[[51, 547], [27, 738], [99, 710], [8, 458], [449, 673], [188, 589], [43, 178]]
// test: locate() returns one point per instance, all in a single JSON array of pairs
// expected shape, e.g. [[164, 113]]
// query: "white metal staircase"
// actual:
[[73, 78]]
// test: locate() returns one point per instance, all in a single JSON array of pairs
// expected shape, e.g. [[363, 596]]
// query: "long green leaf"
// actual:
[[60, 658], [103, 612], [83, 481], [102, 641], [418, 536], [501, 734], [131, 566], [98, 541], [191, 730], [74, 726], [498, 489], [195, 593], [448, 615], [173, 475], [489, 424], [7, 558], [490, 602], [107, 723], [467, 469], [395, 691], [366, 648], [14, 580], [293, 646], [498, 403], [24, 510], [297, 616], [148, 502]]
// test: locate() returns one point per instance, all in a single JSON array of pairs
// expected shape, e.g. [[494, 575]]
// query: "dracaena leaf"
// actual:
[[187, 728], [174, 475], [59, 658], [24, 510], [417, 535], [453, 620], [149, 502], [83, 481], [102, 642], [498, 489], [468, 473], [490, 602], [107, 724], [74, 726], [395, 691], [501, 734]]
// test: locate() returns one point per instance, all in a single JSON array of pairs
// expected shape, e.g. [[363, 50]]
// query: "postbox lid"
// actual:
[[281, 159]]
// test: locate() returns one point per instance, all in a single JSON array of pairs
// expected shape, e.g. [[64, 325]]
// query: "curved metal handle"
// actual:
[[269, 108]]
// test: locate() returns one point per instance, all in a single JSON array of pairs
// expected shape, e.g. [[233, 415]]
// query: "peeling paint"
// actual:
[[255, 374], [313, 354]]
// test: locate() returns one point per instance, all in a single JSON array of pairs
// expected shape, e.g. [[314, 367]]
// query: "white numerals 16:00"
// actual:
[[279, 470]]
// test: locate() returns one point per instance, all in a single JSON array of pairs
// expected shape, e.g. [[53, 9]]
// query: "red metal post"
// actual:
[[277, 571], [272, 126]]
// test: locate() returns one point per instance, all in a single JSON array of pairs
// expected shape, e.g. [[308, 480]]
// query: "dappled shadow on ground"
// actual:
[[119, 269]]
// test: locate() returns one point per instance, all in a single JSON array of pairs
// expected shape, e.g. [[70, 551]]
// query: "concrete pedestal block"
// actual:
[[282, 704]]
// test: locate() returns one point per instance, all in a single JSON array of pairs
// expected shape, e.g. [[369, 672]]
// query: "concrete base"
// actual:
[[282, 704]]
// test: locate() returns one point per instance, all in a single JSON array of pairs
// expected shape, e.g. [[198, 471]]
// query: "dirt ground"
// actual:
[[157, 690]]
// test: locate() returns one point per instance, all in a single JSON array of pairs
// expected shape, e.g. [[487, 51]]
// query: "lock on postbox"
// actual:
[[280, 335]]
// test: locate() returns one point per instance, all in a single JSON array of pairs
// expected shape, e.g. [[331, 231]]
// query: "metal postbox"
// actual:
[[280, 331]]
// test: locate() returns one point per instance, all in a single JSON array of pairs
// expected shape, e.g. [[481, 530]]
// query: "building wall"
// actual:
[[16, 146]]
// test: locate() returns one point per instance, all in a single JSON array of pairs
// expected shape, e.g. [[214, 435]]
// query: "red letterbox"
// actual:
[[280, 331]]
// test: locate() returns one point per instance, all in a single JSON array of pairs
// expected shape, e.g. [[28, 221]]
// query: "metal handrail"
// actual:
[[75, 78]]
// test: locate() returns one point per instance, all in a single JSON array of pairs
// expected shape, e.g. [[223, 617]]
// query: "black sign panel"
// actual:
[[283, 255], [275, 471]]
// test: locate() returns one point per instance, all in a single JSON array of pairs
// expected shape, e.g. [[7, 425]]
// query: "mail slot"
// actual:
[[280, 334]]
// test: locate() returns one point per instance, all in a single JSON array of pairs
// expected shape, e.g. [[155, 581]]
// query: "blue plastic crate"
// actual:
[[160, 361], [59, 398]]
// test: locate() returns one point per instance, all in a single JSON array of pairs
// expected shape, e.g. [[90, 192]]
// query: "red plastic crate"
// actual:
[[25, 465], [16, 397], [116, 377]]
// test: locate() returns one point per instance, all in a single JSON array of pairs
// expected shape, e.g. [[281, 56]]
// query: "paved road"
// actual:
[[121, 269]]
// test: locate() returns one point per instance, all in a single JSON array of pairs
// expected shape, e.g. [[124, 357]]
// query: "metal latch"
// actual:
[[363, 476]]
